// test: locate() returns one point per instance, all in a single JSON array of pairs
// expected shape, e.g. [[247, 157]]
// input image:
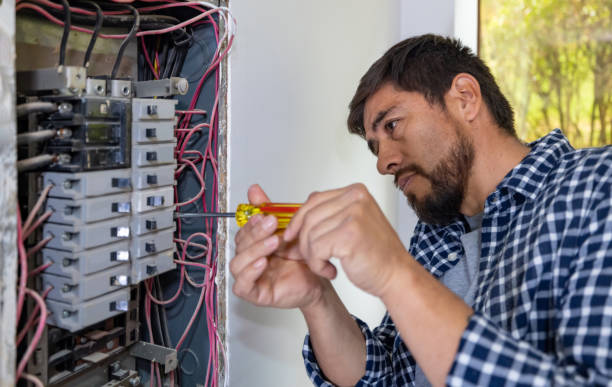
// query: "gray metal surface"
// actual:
[[161, 87], [8, 194], [153, 177], [157, 353], [152, 199], [152, 243], [68, 80]]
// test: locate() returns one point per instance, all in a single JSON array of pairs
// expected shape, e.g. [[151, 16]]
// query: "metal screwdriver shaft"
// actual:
[[205, 215]]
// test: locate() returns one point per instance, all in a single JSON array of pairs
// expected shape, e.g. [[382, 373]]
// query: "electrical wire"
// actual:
[[127, 40], [67, 25], [37, 335], [96, 32]]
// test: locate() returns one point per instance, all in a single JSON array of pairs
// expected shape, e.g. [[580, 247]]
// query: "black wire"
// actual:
[[67, 17], [127, 39], [96, 32]]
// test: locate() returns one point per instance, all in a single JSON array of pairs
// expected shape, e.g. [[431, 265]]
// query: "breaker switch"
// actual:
[[151, 179], [150, 132], [120, 232], [155, 201], [150, 247], [118, 182], [151, 156], [120, 256], [151, 269], [152, 110], [151, 225], [121, 207]]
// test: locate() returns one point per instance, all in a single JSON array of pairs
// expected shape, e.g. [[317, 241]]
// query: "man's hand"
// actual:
[[263, 273], [348, 224]]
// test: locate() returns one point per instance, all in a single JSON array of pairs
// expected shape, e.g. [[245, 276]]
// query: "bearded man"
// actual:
[[508, 277]]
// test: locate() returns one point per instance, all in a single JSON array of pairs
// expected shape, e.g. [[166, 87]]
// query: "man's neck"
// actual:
[[496, 154]]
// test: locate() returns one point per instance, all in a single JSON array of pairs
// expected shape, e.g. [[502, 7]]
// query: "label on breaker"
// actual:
[[88, 210], [86, 184], [76, 265], [77, 238], [153, 154]]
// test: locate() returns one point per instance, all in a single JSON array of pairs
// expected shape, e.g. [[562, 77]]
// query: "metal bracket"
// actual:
[[69, 80], [157, 353], [161, 88]]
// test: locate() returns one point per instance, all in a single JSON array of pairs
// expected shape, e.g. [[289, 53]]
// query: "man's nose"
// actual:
[[389, 158]]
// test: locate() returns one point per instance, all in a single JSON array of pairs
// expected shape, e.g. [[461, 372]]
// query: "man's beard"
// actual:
[[448, 184]]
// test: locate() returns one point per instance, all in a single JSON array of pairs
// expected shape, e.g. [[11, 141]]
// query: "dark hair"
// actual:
[[427, 64]]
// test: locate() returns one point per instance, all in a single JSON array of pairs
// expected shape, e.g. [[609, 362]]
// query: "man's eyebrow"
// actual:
[[380, 116]]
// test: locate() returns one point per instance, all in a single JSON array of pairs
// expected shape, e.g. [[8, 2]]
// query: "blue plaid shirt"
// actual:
[[543, 307]]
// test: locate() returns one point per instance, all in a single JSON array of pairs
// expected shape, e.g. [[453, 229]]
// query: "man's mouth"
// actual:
[[404, 181]]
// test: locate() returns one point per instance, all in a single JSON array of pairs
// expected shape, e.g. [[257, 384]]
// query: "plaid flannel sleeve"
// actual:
[[489, 355], [379, 346]]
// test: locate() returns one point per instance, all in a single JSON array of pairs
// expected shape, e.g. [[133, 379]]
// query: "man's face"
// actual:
[[425, 149]]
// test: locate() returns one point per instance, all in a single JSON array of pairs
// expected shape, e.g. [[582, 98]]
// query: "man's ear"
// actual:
[[464, 94]]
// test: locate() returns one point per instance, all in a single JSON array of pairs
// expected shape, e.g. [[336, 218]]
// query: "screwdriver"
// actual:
[[282, 211]]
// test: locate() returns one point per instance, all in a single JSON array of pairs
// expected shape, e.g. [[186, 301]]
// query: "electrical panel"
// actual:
[[106, 157]]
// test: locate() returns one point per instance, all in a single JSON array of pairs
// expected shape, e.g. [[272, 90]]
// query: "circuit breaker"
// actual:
[[111, 226]]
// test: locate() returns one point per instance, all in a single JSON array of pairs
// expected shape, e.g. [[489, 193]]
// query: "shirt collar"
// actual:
[[528, 177]]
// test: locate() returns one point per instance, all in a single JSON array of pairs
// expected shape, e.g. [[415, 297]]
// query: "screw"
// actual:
[[115, 366], [67, 184], [100, 89], [135, 381], [125, 91], [66, 313]]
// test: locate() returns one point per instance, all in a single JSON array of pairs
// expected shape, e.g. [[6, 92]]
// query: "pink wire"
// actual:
[[31, 320], [37, 336], [37, 206], [32, 379], [39, 221], [33, 250], [23, 262]]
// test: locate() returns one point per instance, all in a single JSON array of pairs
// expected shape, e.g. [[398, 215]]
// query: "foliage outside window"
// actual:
[[553, 61]]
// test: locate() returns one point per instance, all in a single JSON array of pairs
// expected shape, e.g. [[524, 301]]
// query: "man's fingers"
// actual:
[[247, 257], [257, 195], [313, 200], [245, 284], [256, 229]]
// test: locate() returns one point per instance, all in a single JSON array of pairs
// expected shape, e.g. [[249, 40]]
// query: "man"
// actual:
[[521, 234]]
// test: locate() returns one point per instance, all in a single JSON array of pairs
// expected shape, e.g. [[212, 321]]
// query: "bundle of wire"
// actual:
[[193, 160]]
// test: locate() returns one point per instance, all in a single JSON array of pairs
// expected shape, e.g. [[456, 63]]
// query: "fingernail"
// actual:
[[271, 241], [259, 263], [268, 222]]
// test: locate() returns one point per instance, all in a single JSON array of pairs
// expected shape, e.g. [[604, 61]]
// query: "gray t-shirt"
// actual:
[[461, 277]]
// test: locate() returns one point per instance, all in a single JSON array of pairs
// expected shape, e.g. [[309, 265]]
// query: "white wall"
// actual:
[[293, 70]]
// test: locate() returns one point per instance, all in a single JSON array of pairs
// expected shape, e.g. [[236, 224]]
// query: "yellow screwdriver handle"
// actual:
[[282, 211]]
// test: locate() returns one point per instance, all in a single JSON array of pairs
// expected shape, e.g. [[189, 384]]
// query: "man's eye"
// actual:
[[390, 125]]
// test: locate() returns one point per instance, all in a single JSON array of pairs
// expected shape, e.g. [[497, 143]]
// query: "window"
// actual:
[[553, 61]]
